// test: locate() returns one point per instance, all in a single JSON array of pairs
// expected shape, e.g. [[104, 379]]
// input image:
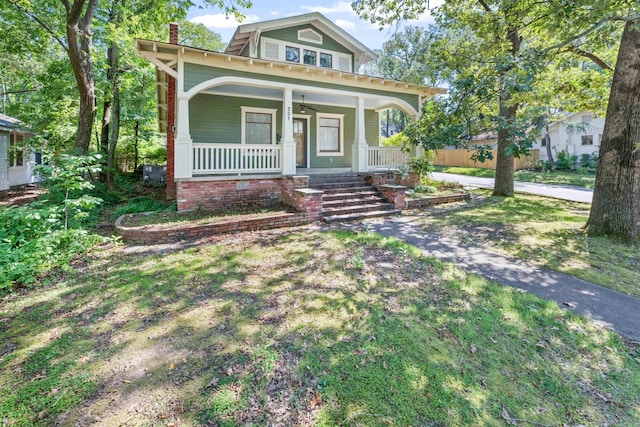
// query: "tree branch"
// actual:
[[40, 22], [598, 61], [484, 5]]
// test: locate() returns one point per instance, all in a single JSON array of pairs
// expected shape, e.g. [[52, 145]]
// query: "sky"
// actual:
[[339, 12]]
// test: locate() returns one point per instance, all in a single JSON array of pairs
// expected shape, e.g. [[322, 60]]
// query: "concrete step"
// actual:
[[343, 190], [341, 184], [346, 195], [343, 210], [354, 201], [357, 216]]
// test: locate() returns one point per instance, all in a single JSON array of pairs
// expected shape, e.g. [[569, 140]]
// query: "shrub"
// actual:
[[422, 188], [144, 204], [32, 241]]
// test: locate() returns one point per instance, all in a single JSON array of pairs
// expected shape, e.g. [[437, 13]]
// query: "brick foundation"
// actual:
[[291, 183], [392, 177], [210, 195]]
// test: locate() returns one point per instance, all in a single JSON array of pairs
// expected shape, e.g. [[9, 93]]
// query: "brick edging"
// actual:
[[141, 234], [436, 200]]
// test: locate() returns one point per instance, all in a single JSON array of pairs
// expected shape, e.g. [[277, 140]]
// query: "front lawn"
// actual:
[[302, 328], [546, 232], [577, 178]]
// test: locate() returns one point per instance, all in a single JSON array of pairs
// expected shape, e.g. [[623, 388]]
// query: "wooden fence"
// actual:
[[462, 158]]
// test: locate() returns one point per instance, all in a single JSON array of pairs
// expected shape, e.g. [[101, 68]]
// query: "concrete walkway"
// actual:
[[606, 307], [564, 192]]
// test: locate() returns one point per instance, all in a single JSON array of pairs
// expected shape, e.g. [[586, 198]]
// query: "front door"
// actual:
[[300, 136]]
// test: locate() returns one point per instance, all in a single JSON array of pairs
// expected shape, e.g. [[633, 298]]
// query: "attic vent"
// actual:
[[270, 50], [344, 64], [309, 35]]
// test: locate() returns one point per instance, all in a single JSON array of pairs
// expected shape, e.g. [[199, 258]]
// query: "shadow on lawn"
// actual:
[[304, 329]]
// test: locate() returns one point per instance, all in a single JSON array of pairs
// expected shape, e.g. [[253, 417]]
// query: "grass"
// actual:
[[302, 328], [546, 232], [576, 178]]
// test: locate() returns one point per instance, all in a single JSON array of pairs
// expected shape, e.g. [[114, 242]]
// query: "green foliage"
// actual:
[[144, 204], [396, 140], [423, 188], [32, 241], [66, 178]]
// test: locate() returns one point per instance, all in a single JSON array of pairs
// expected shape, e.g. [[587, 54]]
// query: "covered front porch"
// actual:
[[256, 127]]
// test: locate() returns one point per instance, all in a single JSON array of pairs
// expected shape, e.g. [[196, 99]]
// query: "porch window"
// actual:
[[587, 139], [258, 125], [330, 135]]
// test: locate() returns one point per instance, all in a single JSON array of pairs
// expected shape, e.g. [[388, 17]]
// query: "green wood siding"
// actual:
[[217, 119], [214, 118], [372, 127], [291, 35], [196, 73]]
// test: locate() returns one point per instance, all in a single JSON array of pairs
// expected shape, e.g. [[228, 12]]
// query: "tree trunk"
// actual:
[[615, 209], [503, 185], [135, 146], [115, 132], [547, 143], [79, 40], [104, 134], [505, 173]]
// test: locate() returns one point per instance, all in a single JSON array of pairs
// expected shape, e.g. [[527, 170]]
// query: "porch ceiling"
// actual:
[[311, 96]]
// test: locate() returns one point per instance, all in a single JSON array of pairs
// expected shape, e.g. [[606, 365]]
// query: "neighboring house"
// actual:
[[284, 99], [576, 134], [16, 162]]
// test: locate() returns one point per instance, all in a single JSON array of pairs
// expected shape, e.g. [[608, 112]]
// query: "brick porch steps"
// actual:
[[348, 198]]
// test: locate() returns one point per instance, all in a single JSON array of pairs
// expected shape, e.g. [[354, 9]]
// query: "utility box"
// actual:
[[154, 175]]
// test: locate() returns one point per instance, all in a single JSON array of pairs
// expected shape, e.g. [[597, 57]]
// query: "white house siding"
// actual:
[[565, 138], [21, 175], [4, 160]]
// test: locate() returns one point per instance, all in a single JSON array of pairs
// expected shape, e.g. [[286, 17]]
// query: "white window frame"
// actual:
[[340, 117], [282, 54], [304, 39], [243, 128]]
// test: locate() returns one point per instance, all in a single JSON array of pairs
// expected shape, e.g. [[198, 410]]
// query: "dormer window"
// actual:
[[326, 60], [292, 54], [309, 35], [309, 57]]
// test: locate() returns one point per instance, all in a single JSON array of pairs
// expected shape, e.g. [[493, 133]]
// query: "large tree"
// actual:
[[70, 24], [615, 209], [499, 50]]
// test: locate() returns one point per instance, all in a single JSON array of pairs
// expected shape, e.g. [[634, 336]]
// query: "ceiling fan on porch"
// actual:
[[304, 107]]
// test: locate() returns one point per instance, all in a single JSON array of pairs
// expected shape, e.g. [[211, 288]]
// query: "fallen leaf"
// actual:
[[172, 367], [126, 381], [384, 364], [474, 350], [569, 304], [508, 418]]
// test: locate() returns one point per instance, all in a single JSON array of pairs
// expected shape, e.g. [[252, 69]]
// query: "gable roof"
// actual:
[[244, 33]]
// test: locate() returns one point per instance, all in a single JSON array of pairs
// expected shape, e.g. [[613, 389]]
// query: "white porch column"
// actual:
[[183, 150], [183, 145], [288, 143], [359, 148]]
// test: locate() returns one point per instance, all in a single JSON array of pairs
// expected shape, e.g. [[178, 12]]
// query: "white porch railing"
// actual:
[[236, 158], [386, 157]]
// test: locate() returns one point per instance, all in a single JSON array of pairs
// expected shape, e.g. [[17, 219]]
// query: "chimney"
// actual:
[[171, 190]]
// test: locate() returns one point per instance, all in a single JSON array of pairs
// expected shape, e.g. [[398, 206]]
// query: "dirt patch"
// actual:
[[20, 196]]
